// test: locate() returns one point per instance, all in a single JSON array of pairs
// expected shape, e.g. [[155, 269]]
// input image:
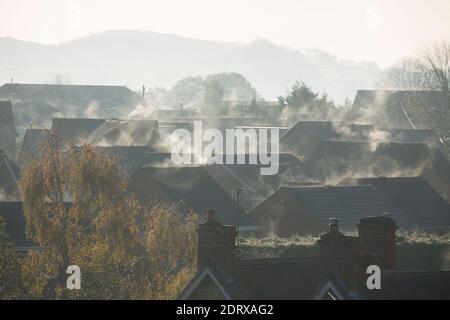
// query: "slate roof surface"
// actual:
[[76, 94], [194, 186], [348, 203], [32, 141], [409, 285], [132, 158], [125, 132], [289, 278], [427, 136], [75, 129], [107, 131], [14, 168], [15, 222], [6, 114], [355, 158], [329, 130], [417, 197]]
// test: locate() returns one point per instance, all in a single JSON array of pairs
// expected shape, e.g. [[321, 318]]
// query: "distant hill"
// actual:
[[135, 58]]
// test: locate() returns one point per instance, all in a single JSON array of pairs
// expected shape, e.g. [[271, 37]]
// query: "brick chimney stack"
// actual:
[[216, 244], [340, 255], [377, 234]]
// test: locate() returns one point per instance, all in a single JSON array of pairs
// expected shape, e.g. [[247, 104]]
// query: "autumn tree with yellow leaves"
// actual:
[[78, 212], [10, 282]]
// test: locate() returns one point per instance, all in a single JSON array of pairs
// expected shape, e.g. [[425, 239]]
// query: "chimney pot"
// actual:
[[333, 225]]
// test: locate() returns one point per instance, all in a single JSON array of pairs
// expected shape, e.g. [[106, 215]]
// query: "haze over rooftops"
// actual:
[[72, 129], [348, 203], [306, 210], [401, 108], [132, 158], [107, 131], [417, 197], [192, 185], [63, 91]]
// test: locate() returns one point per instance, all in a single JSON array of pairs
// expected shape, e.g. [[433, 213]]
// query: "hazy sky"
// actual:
[[378, 30]]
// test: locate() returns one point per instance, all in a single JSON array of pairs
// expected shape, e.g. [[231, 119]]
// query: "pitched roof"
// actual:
[[225, 121], [107, 131], [427, 136], [411, 202], [356, 158], [75, 129], [281, 130], [192, 185], [328, 130], [406, 153], [32, 141], [170, 114], [290, 278], [125, 132], [440, 163], [26, 111], [408, 285], [249, 177], [132, 158], [6, 114], [11, 164], [348, 203], [425, 206], [343, 150], [112, 96], [332, 288], [15, 223], [7, 129], [230, 289]]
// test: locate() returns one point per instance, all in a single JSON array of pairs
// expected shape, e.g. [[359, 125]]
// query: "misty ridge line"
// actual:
[[162, 59]]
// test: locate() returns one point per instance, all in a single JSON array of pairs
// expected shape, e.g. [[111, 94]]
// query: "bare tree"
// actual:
[[430, 71], [437, 59], [408, 74]]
